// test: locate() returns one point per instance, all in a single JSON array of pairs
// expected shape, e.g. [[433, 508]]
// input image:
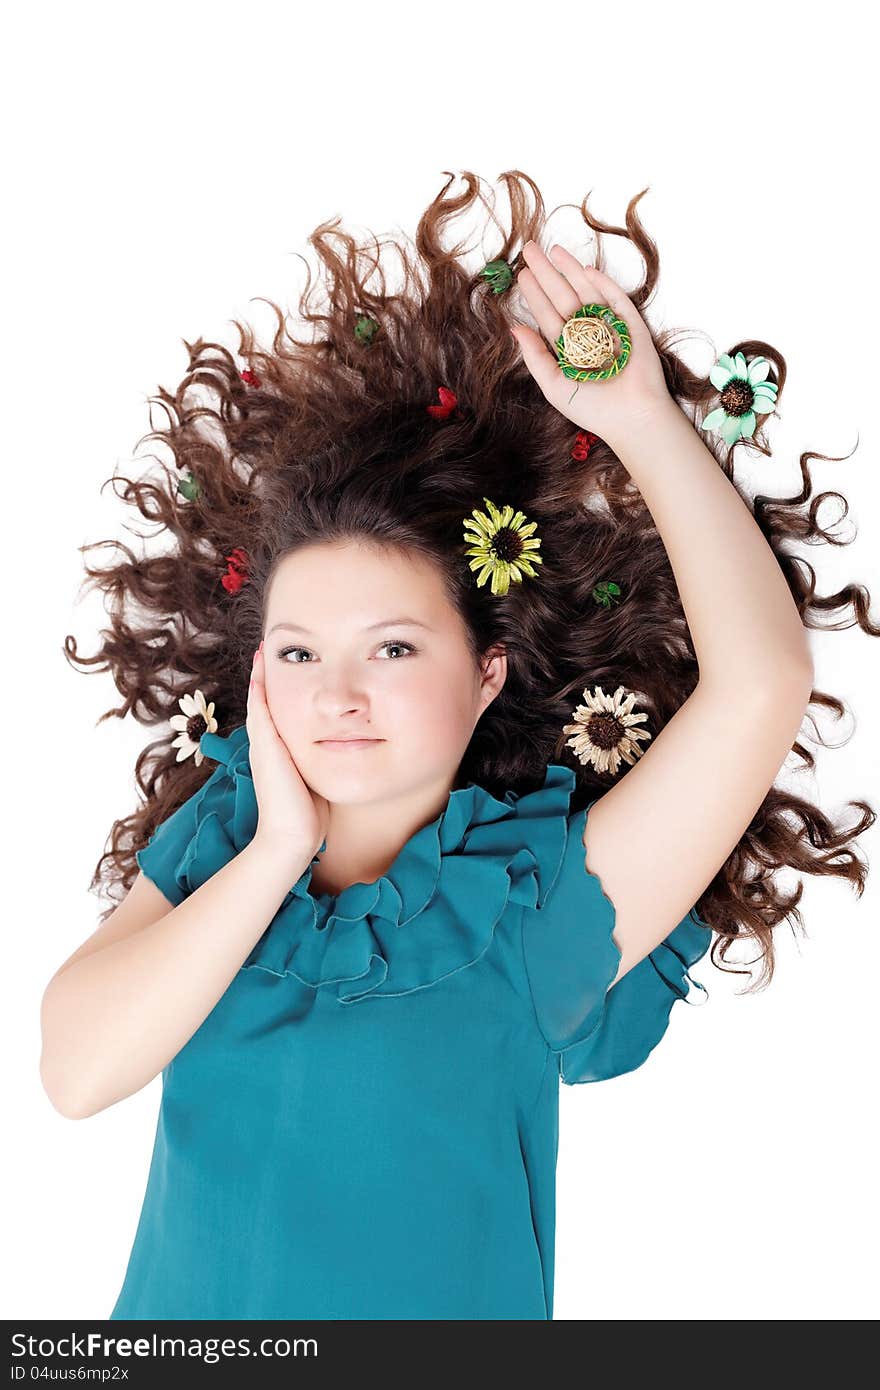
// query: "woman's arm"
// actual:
[[114, 1017], [658, 838], [742, 618]]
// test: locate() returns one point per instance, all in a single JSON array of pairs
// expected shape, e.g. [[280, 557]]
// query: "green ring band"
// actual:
[[596, 311]]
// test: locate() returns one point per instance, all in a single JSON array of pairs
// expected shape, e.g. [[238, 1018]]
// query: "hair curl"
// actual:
[[330, 437]]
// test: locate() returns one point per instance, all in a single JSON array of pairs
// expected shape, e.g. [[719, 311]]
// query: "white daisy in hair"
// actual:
[[603, 732], [197, 719]]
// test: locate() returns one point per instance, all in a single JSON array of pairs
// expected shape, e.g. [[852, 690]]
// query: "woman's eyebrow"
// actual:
[[384, 622]]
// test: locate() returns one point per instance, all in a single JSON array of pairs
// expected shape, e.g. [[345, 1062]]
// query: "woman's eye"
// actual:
[[406, 647]]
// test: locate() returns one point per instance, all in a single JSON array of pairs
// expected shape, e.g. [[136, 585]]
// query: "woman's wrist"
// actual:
[[279, 854], [645, 425]]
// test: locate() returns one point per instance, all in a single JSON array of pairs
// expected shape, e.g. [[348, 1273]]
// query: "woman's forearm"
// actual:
[[114, 1019], [743, 620]]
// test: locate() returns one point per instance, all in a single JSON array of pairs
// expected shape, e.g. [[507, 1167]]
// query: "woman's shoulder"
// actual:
[[524, 833], [209, 828]]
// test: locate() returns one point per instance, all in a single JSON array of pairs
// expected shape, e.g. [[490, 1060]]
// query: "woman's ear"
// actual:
[[493, 674]]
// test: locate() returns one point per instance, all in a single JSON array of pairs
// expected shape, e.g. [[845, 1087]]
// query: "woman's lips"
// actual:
[[348, 742]]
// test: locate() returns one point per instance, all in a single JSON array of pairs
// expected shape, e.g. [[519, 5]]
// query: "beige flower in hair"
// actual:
[[603, 732], [197, 719]]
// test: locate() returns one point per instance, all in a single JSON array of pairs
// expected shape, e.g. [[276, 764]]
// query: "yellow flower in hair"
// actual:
[[603, 732], [501, 546]]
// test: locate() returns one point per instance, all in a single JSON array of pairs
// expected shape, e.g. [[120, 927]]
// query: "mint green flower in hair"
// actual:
[[745, 394]]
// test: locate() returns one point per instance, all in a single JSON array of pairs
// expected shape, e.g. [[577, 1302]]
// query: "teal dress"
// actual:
[[365, 1125]]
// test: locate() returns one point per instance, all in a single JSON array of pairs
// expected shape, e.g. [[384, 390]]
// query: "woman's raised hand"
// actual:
[[291, 815], [554, 290]]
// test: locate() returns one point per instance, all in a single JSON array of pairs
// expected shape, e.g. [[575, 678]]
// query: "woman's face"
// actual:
[[340, 662]]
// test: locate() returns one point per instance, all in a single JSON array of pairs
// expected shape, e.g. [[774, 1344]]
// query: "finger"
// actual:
[[256, 685], [543, 311], [257, 710], [556, 289], [605, 290], [543, 365], [579, 276]]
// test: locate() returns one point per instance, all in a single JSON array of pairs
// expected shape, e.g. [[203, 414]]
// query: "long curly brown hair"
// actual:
[[329, 435]]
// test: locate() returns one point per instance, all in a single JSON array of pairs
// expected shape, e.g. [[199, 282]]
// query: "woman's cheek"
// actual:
[[434, 709]]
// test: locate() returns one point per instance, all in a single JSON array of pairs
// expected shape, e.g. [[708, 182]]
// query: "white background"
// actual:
[[162, 166]]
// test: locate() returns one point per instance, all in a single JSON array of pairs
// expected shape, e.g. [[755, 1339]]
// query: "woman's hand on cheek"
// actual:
[[554, 290], [290, 813]]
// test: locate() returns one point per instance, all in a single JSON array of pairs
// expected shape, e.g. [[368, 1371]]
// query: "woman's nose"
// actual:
[[340, 691]]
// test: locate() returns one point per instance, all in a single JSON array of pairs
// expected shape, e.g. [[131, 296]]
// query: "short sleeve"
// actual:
[[571, 958], [160, 858]]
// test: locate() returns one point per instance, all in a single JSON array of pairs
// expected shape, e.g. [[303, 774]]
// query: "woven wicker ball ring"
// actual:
[[585, 348]]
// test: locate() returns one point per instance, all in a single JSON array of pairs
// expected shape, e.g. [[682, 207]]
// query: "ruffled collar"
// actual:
[[377, 939]]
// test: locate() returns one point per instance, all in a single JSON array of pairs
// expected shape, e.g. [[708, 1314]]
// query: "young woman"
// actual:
[[495, 688]]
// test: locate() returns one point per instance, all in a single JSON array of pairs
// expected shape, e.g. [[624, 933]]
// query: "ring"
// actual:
[[585, 347]]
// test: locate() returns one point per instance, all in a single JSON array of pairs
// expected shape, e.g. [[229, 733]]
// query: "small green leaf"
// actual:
[[189, 487]]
